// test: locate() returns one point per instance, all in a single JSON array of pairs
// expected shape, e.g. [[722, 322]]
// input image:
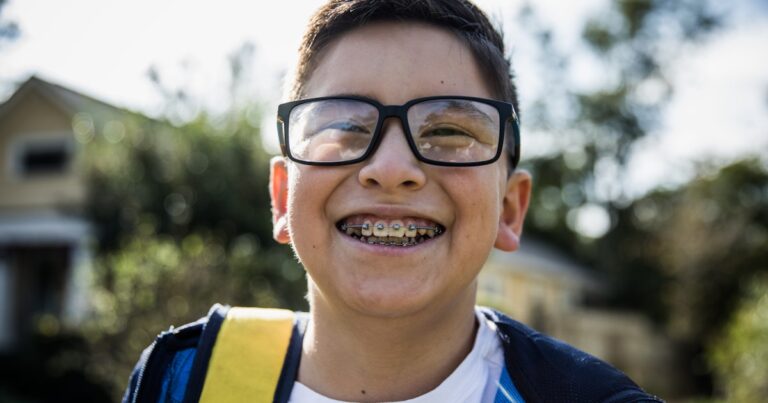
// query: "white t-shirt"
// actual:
[[474, 380]]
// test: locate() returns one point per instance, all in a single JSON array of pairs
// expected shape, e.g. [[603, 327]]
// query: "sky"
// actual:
[[104, 48]]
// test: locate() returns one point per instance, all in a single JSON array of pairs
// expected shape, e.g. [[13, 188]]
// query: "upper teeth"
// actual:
[[380, 229], [394, 229]]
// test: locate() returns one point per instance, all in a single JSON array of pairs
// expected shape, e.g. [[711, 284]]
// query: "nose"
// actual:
[[393, 165]]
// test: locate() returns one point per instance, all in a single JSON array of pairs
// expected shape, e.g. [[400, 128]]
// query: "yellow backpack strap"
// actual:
[[248, 356]]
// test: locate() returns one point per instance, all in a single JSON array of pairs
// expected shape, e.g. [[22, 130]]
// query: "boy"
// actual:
[[398, 177]]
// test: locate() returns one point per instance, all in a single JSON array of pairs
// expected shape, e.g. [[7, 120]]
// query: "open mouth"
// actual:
[[398, 232]]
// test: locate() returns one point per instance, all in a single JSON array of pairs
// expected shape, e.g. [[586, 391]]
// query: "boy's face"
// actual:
[[478, 207]]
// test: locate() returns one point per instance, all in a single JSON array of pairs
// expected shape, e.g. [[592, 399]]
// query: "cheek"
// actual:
[[310, 191], [478, 190], [478, 206], [304, 210]]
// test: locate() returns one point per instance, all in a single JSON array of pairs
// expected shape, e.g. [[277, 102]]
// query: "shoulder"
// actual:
[[176, 365], [165, 366], [546, 369]]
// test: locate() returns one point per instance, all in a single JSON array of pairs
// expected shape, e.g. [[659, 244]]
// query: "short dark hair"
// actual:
[[458, 16]]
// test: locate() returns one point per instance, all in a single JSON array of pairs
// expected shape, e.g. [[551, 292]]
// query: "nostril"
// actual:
[[371, 182]]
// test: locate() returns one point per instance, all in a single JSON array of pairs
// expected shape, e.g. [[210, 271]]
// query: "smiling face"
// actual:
[[320, 210]]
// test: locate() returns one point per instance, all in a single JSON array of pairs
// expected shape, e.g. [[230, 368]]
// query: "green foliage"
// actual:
[[182, 215], [154, 281], [593, 131], [740, 356], [709, 238], [686, 256], [198, 176], [634, 42], [680, 256]]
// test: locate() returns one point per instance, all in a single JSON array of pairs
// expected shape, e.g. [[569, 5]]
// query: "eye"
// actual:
[[446, 132], [346, 126]]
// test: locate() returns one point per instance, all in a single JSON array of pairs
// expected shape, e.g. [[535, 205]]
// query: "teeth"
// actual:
[[394, 233], [367, 229], [380, 229], [396, 229]]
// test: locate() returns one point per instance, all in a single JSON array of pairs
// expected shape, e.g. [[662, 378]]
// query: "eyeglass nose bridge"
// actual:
[[400, 113]]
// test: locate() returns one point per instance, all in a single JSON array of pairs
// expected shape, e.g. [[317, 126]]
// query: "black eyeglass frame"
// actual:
[[506, 112]]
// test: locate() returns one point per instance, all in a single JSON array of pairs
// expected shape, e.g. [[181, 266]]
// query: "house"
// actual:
[[543, 288], [44, 236]]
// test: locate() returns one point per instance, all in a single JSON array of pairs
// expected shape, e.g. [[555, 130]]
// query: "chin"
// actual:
[[388, 302]]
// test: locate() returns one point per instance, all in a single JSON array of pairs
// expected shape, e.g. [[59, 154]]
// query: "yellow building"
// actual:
[[44, 252]]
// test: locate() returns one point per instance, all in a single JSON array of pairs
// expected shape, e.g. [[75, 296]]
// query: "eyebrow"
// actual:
[[354, 94], [468, 107]]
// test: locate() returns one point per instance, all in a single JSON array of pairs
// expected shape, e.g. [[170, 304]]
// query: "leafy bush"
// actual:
[[154, 281], [182, 216], [740, 356]]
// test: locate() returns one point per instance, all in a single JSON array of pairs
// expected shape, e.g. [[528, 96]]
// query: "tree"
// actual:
[[8, 30], [682, 256], [689, 255], [182, 215], [740, 355], [593, 131]]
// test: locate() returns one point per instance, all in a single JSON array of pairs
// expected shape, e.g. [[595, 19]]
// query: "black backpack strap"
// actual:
[[147, 382], [196, 380], [292, 359]]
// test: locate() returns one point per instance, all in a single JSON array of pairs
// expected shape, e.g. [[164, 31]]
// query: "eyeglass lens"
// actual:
[[445, 130]]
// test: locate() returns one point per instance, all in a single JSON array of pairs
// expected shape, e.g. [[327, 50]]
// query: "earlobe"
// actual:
[[278, 192], [514, 207]]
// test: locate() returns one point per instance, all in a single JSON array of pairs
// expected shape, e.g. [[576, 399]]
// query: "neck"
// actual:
[[354, 357]]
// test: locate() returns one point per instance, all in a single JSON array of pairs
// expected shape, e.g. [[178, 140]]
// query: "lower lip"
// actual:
[[387, 250]]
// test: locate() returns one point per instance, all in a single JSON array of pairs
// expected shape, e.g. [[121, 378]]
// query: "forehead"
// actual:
[[394, 62]]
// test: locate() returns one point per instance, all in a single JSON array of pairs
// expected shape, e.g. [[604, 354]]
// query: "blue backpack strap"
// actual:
[[506, 391], [147, 378]]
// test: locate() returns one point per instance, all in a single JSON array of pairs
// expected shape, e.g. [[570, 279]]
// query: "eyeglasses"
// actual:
[[443, 130]]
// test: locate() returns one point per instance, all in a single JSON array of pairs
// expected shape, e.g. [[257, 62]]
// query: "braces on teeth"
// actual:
[[358, 231], [393, 226]]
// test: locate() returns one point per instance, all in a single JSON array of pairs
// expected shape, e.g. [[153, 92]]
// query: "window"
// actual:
[[42, 156], [44, 161]]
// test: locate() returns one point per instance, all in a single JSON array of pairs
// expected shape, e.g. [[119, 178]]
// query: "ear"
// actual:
[[278, 191], [513, 210]]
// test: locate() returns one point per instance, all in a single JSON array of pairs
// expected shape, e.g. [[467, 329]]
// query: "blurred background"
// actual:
[[134, 147]]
